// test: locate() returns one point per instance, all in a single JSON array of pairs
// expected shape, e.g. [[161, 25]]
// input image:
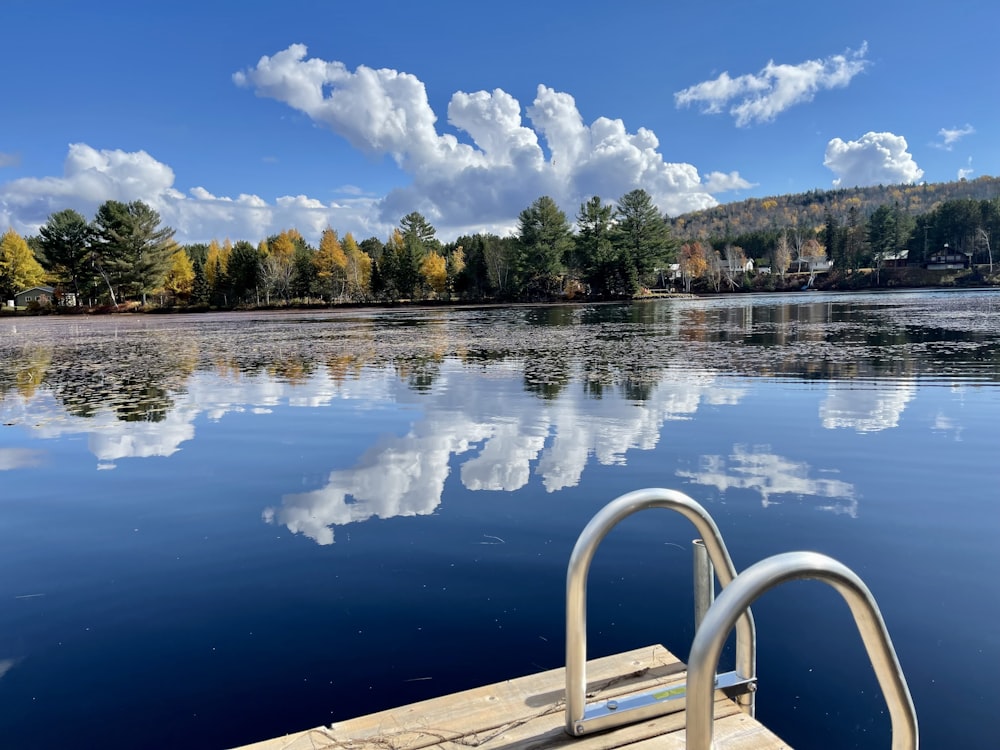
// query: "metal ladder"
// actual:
[[714, 622]]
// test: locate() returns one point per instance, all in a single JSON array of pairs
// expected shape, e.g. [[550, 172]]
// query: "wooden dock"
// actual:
[[528, 713]]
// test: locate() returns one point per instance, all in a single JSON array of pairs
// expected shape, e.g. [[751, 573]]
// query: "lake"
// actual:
[[219, 528]]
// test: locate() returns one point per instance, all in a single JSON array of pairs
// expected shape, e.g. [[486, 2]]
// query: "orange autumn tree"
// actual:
[[693, 262]]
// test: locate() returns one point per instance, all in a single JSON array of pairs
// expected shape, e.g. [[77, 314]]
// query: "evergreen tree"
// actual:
[[544, 241], [303, 279], [833, 238], [65, 239], [415, 226], [372, 247], [855, 240], [417, 241], [200, 291], [642, 235], [133, 248], [599, 261], [244, 271]]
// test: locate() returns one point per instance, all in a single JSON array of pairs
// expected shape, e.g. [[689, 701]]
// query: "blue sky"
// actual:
[[242, 119]]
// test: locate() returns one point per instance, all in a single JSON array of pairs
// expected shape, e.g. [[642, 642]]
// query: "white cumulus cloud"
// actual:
[[92, 176], [475, 172], [760, 97], [485, 183], [873, 159]]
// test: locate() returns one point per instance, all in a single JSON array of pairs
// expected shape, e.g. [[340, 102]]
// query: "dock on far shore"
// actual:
[[529, 713]]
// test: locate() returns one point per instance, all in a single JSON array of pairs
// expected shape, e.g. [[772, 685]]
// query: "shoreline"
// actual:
[[893, 280]]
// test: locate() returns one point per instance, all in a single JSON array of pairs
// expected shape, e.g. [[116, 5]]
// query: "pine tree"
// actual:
[[544, 242], [66, 238], [643, 236], [131, 246]]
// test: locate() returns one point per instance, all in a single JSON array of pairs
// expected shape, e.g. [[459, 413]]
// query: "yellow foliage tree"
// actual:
[[331, 263], [180, 277], [216, 261], [359, 268], [456, 264], [434, 269], [18, 267], [283, 246], [813, 250]]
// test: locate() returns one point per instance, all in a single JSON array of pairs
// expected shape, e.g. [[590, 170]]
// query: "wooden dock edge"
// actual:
[[528, 713]]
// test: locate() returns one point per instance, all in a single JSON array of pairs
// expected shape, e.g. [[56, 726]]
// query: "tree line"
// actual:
[[126, 253], [611, 251]]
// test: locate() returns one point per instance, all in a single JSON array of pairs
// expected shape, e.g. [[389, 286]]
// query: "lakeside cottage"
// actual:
[[43, 295], [948, 259]]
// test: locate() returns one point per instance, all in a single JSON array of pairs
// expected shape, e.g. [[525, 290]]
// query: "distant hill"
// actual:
[[808, 211]]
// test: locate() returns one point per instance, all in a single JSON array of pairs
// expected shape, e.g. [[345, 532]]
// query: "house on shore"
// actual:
[[896, 259], [947, 259], [43, 295]]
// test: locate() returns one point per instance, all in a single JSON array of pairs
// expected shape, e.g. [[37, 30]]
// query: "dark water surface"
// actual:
[[215, 529]]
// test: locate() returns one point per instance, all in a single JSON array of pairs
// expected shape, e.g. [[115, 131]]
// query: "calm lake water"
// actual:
[[220, 528]]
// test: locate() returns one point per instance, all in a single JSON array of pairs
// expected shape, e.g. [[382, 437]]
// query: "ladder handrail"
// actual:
[[745, 589], [576, 589]]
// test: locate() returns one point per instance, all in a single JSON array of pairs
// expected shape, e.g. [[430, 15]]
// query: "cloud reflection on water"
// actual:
[[20, 458], [498, 399], [6, 665], [769, 475], [878, 406], [406, 475]]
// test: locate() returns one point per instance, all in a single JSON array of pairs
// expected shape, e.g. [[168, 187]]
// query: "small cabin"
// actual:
[[42, 295], [895, 259]]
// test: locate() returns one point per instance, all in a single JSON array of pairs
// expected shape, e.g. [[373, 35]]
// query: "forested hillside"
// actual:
[[853, 228], [810, 211]]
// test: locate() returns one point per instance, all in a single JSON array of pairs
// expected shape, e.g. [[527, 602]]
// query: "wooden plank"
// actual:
[[527, 714], [735, 731]]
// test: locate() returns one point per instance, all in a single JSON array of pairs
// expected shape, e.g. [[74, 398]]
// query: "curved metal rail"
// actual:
[[745, 589], [583, 719]]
